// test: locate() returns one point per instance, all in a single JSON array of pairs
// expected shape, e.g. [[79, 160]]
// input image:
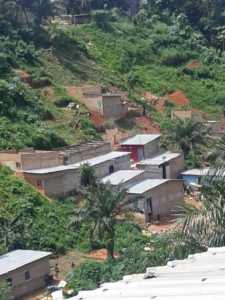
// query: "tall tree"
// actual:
[[184, 135], [102, 206]]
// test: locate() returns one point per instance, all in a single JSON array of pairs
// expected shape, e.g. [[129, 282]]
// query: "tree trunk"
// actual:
[[108, 240], [92, 233]]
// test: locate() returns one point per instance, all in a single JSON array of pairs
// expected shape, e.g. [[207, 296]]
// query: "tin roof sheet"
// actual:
[[145, 185], [92, 162], [200, 277], [19, 258], [159, 158], [197, 172], [140, 139], [121, 176]]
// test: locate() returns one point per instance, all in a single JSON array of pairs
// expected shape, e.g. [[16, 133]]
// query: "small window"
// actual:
[[130, 147], [18, 165], [39, 182], [9, 281], [111, 169], [27, 275], [124, 147], [136, 203]]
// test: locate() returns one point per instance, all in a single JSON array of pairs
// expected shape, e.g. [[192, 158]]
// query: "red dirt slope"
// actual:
[[152, 126], [178, 98], [196, 64], [97, 119]]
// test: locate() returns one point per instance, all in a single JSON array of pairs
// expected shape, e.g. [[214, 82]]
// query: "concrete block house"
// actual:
[[60, 180], [26, 159], [24, 270], [141, 146], [166, 165], [159, 197], [108, 105], [72, 154]]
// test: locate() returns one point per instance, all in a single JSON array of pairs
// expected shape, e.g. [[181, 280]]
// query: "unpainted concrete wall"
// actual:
[[164, 198], [82, 19], [39, 160], [89, 153], [181, 114], [151, 148], [10, 161], [112, 108], [78, 91], [214, 126], [177, 166], [20, 286], [93, 102], [61, 183]]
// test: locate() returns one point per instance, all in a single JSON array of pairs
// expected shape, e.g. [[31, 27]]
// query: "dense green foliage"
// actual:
[[5, 291]]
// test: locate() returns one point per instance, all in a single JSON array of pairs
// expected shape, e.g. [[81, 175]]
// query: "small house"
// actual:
[[24, 270], [184, 114], [159, 197], [141, 146], [125, 177], [29, 158], [214, 125], [108, 105], [166, 165], [194, 176], [60, 180]]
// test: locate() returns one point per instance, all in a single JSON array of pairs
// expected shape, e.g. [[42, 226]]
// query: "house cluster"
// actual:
[[215, 125], [138, 166]]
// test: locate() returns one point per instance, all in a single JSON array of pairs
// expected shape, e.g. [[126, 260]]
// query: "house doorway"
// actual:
[[149, 206], [140, 154]]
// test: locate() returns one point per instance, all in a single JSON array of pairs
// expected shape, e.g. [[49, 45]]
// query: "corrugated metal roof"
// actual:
[[121, 176], [19, 258], [196, 172], [140, 139], [92, 162], [200, 277], [145, 185], [159, 158]]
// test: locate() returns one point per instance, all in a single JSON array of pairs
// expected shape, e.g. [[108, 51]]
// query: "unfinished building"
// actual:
[[108, 105], [72, 154]]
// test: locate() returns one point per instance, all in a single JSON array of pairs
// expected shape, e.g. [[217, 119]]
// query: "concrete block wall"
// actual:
[[165, 198], [39, 160], [20, 286], [93, 102], [10, 160], [151, 148], [112, 108], [181, 114]]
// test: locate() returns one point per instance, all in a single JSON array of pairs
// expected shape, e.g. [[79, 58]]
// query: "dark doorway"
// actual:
[[163, 166], [111, 169], [149, 206], [65, 161]]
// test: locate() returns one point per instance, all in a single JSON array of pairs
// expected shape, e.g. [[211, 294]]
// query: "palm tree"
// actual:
[[8, 229], [184, 135], [207, 219], [102, 206]]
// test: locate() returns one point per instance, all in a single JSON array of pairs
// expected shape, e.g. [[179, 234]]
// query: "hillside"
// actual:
[[151, 53]]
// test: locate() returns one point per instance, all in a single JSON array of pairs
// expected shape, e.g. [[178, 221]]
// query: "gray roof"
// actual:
[[211, 122], [19, 258], [140, 139], [196, 172], [159, 158], [92, 162], [145, 185], [200, 277], [121, 176]]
